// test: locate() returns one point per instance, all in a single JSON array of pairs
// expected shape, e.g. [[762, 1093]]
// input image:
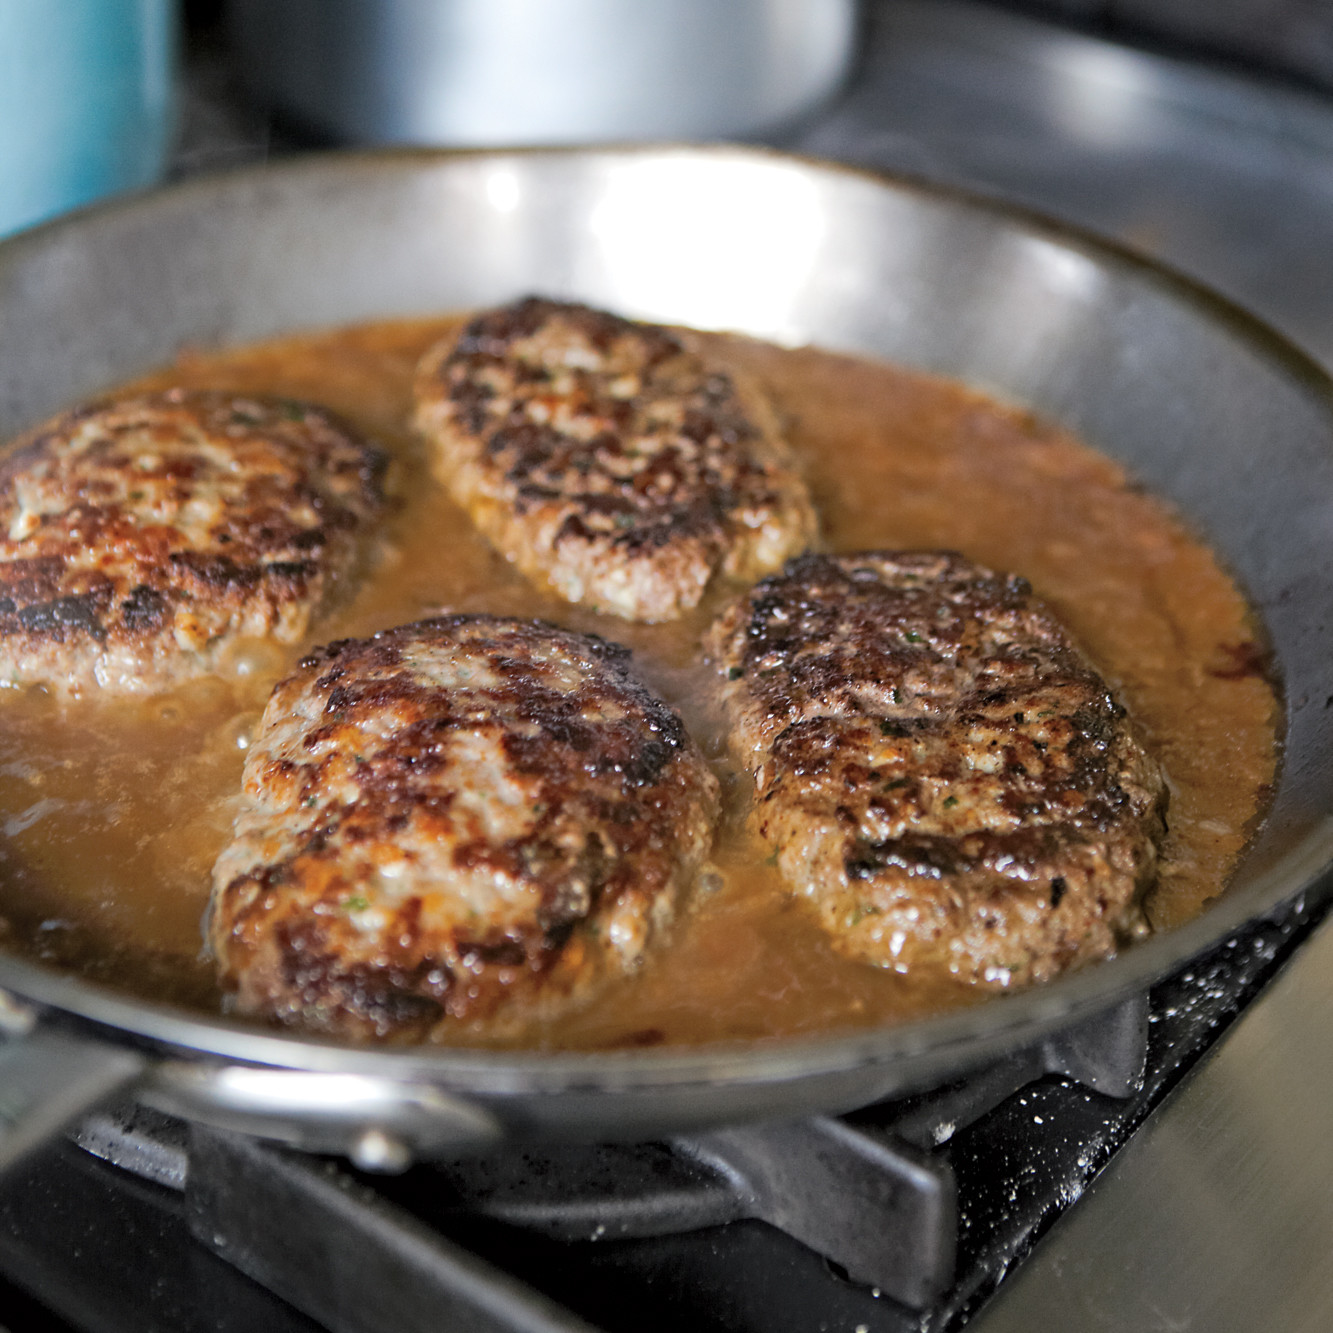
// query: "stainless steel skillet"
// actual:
[[1203, 404]]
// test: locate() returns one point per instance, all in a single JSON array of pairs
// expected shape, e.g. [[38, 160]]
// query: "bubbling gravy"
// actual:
[[111, 815]]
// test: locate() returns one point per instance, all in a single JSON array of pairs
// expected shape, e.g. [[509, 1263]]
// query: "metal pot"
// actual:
[[1204, 405], [493, 72]]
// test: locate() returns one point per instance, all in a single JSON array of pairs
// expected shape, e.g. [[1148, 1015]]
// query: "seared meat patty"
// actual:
[[607, 459], [469, 817], [943, 775], [141, 538]]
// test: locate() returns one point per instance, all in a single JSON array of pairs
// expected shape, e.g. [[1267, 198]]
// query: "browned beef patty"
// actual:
[[464, 818], [944, 776], [141, 538], [608, 459]]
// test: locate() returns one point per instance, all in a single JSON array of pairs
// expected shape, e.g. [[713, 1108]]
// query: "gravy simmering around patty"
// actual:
[[112, 812]]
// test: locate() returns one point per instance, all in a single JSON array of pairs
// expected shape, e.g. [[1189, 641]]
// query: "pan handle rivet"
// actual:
[[16, 1017], [374, 1150]]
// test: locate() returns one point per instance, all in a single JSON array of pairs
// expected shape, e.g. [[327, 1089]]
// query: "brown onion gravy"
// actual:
[[112, 815]]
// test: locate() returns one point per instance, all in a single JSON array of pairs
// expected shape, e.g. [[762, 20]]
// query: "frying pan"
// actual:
[[1203, 405]]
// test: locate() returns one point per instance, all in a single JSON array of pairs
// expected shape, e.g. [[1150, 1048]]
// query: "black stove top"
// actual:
[[901, 1216]]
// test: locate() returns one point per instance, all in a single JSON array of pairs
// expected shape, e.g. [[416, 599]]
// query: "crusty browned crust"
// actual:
[[945, 777], [607, 459], [140, 538], [464, 818]]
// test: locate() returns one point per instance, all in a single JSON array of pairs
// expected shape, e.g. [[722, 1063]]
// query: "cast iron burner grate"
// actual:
[[902, 1216]]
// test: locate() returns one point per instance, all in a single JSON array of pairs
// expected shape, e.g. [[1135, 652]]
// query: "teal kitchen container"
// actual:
[[87, 101]]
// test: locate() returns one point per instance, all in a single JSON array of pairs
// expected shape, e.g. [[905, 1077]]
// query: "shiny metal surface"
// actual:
[[1205, 406], [318, 1110], [495, 73], [1217, 1216], [1223, 176]]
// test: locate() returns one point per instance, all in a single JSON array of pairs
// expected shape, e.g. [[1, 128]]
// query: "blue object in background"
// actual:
[[87, 101]]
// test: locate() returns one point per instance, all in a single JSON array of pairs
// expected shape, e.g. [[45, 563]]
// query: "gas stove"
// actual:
[[908, 1215], [905, 1215]]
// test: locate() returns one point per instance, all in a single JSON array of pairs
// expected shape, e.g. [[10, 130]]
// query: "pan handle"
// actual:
[[381, 1124], [50, 1076]]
